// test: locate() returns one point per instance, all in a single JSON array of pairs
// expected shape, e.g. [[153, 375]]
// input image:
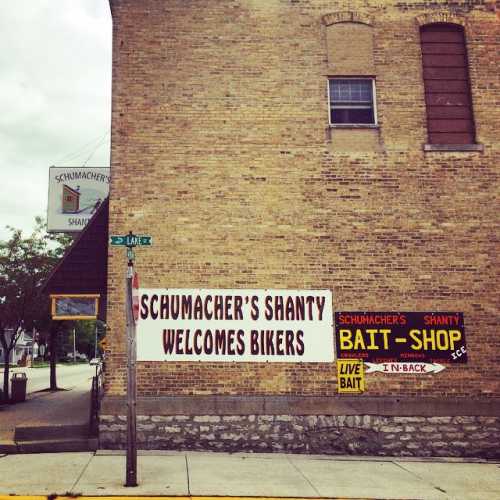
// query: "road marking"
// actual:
[[22, 497], [138, 497]]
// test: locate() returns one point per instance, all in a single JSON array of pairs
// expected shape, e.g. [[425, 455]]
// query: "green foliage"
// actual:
[[85, 337], [25, 263]]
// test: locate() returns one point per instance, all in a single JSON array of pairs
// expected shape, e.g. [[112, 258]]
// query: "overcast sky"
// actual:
[[55, 98]]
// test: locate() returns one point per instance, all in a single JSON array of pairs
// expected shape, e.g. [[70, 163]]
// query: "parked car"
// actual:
[[78, 357]]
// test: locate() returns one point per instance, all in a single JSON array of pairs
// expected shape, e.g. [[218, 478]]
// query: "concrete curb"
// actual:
[[8, 447], [48, 446]]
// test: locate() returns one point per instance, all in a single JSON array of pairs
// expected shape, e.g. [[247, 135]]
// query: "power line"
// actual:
[[103, 140], [84, 149]]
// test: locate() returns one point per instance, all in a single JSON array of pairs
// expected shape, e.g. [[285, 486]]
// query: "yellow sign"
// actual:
[[350, 375], [74, 306]]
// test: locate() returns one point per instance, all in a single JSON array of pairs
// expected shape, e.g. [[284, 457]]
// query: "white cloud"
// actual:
[[55, 96]]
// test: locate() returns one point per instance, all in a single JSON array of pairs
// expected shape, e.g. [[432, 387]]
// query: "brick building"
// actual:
[[349, 146]]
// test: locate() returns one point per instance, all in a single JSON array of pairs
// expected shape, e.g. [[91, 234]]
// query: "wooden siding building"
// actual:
[[70, 200]]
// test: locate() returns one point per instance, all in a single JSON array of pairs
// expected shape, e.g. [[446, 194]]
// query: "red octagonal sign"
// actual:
[[135, 296]]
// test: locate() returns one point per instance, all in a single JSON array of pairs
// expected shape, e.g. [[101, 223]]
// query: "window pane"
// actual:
[[351, 101], [351, 90], [352, 115]]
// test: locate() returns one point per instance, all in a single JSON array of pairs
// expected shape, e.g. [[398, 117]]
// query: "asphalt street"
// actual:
[[68, 376]]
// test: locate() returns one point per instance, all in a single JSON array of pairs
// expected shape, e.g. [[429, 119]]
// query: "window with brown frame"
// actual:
[[446, 82]]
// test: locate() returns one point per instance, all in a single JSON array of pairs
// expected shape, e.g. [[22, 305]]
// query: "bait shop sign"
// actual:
[[235, 325], [391, 338]]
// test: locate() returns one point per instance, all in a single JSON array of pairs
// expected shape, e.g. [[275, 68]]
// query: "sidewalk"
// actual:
[[256, 475], [64, 407]]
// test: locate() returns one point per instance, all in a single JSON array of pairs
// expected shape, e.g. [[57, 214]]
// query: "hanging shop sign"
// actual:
[[392, 337], [350, 376], [235, 325], [74, 306], [75, 193]]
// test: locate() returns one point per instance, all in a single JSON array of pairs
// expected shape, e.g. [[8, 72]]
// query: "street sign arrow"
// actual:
[[145, 240], [117, 240]]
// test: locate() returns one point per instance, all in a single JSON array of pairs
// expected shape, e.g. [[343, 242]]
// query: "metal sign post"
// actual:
[[131, 241], [131, 476]]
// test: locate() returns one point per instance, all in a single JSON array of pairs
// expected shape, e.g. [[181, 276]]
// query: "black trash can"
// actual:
[[18, 391]]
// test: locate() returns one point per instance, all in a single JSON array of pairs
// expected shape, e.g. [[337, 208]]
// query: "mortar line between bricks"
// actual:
[[304, 476], [430, 483], [83, 472]]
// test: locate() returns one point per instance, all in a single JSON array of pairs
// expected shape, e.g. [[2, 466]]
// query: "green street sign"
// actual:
[[117, 240], [131, 240], [144, 240]]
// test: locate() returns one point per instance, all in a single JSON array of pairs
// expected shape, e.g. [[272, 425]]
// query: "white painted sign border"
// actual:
[[306, 334]]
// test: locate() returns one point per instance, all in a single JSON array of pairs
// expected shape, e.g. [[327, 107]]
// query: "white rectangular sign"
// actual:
[[75, 193], [235, 325]]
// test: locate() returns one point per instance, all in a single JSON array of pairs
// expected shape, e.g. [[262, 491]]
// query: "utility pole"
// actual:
[[74, 345]]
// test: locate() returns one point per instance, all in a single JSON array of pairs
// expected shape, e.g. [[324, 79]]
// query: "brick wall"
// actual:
[[221, 150]]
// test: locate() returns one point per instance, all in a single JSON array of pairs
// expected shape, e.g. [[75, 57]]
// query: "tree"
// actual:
[[25, 263], [85, 337]]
